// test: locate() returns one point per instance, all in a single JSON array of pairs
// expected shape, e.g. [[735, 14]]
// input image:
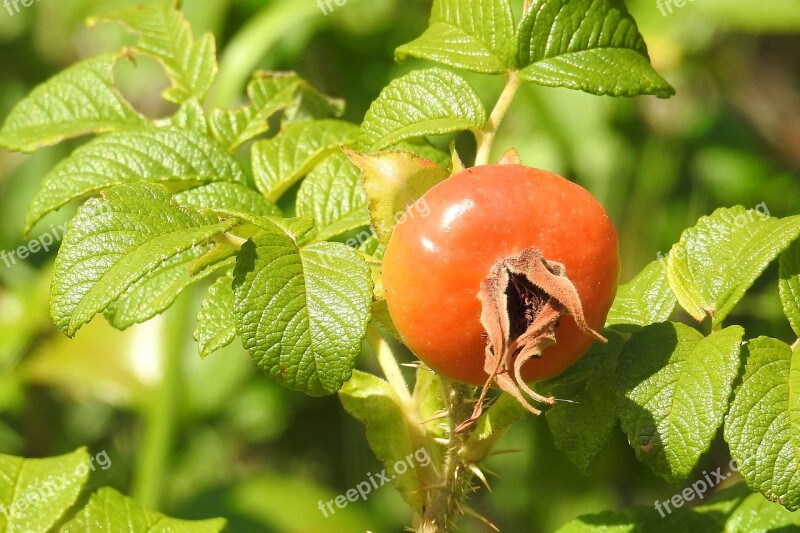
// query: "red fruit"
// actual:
[[434, 265]]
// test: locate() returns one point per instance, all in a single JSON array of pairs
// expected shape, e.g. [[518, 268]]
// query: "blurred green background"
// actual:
[[244, 448]]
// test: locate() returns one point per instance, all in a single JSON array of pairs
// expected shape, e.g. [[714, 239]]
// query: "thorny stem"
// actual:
[[442, 501], [485, 137]]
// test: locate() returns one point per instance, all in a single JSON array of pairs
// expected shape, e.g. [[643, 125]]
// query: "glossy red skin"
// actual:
[[434, 264]]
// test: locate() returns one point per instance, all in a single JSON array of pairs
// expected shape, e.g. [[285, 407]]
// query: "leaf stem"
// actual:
[[388, 362], [796, 344], [485, 137], [163, 411]]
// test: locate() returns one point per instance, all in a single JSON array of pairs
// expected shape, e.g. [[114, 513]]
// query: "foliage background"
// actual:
[[262, 456]]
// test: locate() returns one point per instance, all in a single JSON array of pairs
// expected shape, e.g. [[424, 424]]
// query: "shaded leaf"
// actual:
[[673, 390]]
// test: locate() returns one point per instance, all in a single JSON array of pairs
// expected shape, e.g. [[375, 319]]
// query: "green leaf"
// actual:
[[491, 426], [36, 493], [393, 182], [477, 36], [424, 102], [789, 285], [166, 36], [216, 320], [227, 198], [755, 513], [429, 402], [333, 195], [269, 93], [159, 289], [152, 155], [311, 104], [645, 300], [115, 241], [78, 101], [673, 389], [763, 427], [279, 162], [640, 519], [372, 401], [189, 116], [587, 45], [302, 312], [582, 423], [110, 511], [716, 261]]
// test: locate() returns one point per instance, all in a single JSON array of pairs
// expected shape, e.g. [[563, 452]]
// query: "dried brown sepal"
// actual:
[[523, 298]]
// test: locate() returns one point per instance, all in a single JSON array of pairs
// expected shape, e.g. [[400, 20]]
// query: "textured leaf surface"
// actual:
[[159, 289], [78, 101], [717, 260], [166, 36], [673, 390], [302, 313], [154, 155], [372, 401], [789, 285], [110, 511], [333, 195], [216, 320], [115, 241], [393, 181], [645, 300], [278, 163], [763, 426], [227, 197], [269, 93], [583, 422], [477, 35], [35, 493], [588, 45], [424, 102]]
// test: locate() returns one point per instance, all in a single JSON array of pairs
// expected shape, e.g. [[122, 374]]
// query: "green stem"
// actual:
[[486, 136], [243, 53], [383, 351], [159, 421], [796, 344]]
